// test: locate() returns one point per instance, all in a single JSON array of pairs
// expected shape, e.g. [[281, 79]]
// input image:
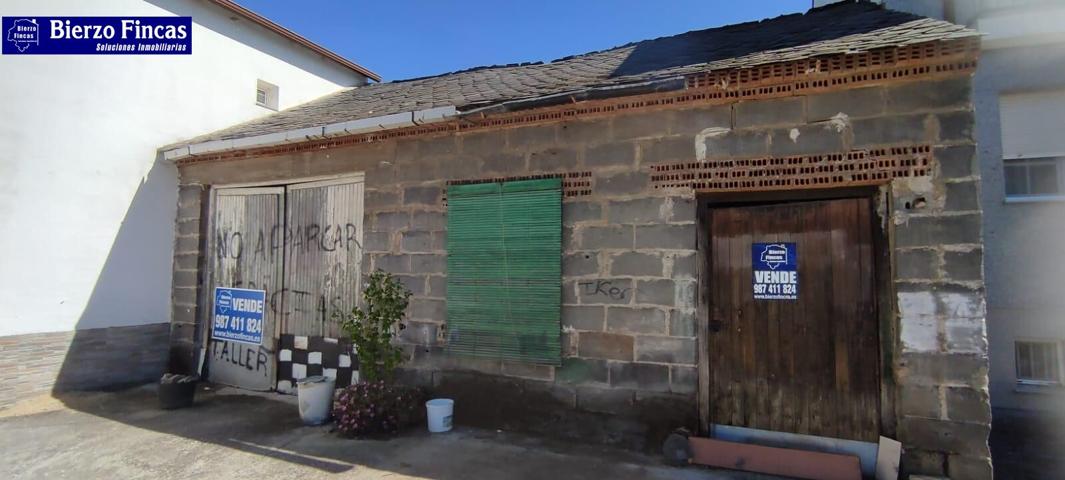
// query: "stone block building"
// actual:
[[772, 225]]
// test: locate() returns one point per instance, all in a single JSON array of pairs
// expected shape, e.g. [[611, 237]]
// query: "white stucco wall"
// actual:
[[86, 209]]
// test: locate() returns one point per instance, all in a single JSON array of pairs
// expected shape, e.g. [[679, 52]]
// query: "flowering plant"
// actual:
[[373, 325], [377, 408]]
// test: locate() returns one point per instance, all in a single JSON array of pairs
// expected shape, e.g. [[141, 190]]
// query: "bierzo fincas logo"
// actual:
[[23, 34], [96, 35]]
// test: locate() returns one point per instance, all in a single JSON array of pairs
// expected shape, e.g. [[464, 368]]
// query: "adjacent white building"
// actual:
[[1019, 100], [87, 206]]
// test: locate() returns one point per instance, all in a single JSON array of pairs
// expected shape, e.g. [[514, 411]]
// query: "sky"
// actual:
[[400, 39]]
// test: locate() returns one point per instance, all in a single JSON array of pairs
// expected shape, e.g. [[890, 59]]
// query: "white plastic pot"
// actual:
[[315, 395], [439, 412]]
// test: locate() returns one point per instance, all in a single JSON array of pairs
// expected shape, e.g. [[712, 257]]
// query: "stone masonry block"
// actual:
[[923, 462], [952, 93], [188, 227], [969, 467], [956, 161], [586, 132], [932, 369], [823, 137], [945, 436], [184, 296], [437, 286], [683, 209], [439, 145], [966, 404], [417, 242], [377, 241], [854, 103], [639, 376], [187, 261], [640, 210], [963, 266], [414, 283], [921, 264], [574, 212], [553, 159], [667, 149], [582, 371], [439, 241], [665, 350], [419, 333], [694, 120], [392, 263], [425, 195], [187, 244], [657, 292], [584, 317], [919, 401], [684, 265], [482, 144], [737, 143], [683, 379], [636, 320], [503, 163], [391, 221], [610, 155], [185, 278], [624, 183], [778, 111], [428, 221], [579, 264], [670, 237], [938, 230], [431, 263], [682, 323], [613, 236], [190, 194], [610, 291], [917, 128], [962, 196], [532, 137], [640, 125], [428, 309], [636, 264], [607, 346]]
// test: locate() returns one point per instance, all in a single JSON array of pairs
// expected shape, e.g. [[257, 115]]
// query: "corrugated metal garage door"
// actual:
[[323, 255], [246, 232]]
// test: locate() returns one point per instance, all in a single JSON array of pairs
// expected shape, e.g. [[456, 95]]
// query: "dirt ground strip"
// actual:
[[229, 434]]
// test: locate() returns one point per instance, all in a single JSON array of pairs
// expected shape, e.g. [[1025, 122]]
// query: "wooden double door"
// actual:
[[793, 328]]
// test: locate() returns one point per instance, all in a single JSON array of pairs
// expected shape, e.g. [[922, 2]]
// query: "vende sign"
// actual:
[[97, 35]]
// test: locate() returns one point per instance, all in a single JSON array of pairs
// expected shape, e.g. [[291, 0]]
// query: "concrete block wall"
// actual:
[[629, 274], [189, 246]]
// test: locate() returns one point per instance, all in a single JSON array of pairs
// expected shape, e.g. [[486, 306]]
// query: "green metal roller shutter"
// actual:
[[504, 270]]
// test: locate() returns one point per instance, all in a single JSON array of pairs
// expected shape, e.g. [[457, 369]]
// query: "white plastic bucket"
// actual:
[[439, 412], [315, 399]]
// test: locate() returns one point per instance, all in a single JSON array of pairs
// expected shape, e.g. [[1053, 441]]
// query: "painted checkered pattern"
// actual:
[[304, 356]]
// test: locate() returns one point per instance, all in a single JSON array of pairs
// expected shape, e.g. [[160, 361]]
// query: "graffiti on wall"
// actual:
[[268, 243]]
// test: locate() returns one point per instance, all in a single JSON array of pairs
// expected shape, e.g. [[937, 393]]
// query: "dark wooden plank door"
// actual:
[[806, 365]]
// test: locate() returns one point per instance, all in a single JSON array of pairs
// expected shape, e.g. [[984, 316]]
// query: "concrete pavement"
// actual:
[[231, 434]]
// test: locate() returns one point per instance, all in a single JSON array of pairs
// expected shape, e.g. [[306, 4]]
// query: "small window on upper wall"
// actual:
[[266, 95], [1033, 149], [1038, 362]]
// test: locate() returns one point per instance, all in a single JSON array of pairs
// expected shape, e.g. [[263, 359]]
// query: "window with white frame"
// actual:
[[1038, 362], [266, 95], [1033, 148]]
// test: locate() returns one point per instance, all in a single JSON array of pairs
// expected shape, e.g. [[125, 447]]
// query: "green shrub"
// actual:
[[373, 325]]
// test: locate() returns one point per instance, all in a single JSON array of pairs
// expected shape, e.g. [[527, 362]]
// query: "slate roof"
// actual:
[[834, 29]]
